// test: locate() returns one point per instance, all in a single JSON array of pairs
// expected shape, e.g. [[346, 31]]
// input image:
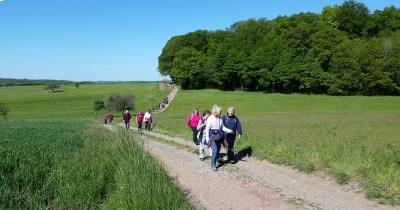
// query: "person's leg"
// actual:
[[195, 135], [128, 125], [214, 155], [201, 150], [218, 148], [230, 151]]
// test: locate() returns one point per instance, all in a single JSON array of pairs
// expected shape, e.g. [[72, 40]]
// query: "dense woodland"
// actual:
[[344, 50]]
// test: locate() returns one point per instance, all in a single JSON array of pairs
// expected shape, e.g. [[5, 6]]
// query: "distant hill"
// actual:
[[27, 82]]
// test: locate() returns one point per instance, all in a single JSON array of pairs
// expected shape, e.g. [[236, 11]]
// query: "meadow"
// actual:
[[354, 139], [32, 102], [54, 154]]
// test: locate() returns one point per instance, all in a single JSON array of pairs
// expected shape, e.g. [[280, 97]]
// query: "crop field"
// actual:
[[60, 165], [53, 154], [353, 138]]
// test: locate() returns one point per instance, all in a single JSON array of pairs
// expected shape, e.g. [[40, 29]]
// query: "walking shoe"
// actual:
[[214, 169], [217, 165], [233, 161], [202, 159]]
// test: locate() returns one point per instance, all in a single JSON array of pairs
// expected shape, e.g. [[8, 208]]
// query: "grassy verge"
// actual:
[[59, 165], [352, 138]]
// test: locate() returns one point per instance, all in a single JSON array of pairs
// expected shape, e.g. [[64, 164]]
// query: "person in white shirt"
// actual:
[[147, 120], [215, 134]]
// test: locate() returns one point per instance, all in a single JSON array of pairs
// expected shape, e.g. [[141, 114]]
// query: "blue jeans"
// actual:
[[216, 147], [127, 124]]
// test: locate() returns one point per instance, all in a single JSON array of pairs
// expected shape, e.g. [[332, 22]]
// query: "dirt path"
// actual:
[[170, 97], [249, 184]]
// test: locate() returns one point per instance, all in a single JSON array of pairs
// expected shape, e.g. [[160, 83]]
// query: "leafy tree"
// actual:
[[77, 84], [345, 50], [119, 102], [345, 70], [52, 87], [352, 18], [323, 45], [384, 23], [98, 105], [4, 111], [375, 72]]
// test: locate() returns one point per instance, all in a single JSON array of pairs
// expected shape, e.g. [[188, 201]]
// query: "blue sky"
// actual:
[[118, 40]]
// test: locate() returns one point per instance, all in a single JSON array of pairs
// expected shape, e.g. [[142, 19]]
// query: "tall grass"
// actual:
[[66, 165], [352, 138]]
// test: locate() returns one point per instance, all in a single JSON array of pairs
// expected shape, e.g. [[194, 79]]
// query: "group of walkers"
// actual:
[[146, 117], [210, 130], [108, 118], [213, 130], [163, 104], [140, 118]]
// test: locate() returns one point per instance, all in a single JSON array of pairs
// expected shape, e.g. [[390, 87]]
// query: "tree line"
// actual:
[[29, 82], [345, 50]]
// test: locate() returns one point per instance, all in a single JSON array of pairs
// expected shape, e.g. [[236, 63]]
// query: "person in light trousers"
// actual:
[[214, 134], [202, 135]]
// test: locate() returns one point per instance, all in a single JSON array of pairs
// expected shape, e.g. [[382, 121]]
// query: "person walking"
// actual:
[[110, 118], [127, 119], [231, 121], [147, 120], [192, 122], [201, 135], [139, 120], [215, 134], [105, 118]]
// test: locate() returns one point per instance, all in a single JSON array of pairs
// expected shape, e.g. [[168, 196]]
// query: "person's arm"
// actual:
[[188, 121], [200, 125], [225, 129], [239, 127], [207, 130]]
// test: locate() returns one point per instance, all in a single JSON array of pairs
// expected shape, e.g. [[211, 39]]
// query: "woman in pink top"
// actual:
[[192, 121]]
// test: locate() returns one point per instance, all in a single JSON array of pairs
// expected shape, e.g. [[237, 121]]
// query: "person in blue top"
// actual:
[[232, 122]]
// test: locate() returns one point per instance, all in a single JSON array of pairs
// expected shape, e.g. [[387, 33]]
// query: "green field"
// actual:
[[354, 139], [32, 102], [54, 154], [351, 138]]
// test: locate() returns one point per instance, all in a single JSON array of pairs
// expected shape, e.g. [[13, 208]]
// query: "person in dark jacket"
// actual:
[[127, 119], [232, 122]]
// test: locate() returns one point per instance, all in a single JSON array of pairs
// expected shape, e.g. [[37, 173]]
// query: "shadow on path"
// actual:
[[248, 151]]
